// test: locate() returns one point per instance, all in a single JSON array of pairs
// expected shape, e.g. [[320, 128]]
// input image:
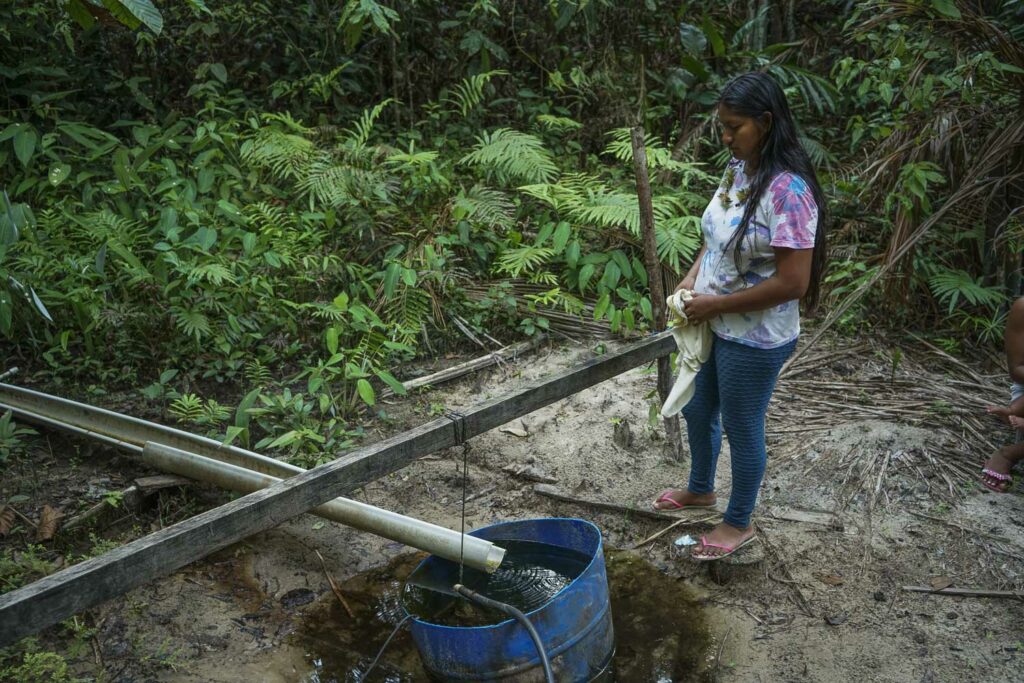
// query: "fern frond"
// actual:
[[485, 206], [192, 323], [360, 132], [518, 260], [256, 373], [621, 147], [558, 123], [407, 311], [556, 297], [338, 185], [286, 119], [214, 273], [323, 311], [412, 158], [567, 191], [520, 156], [678, 240], [606, 210], [467, 95], [284, 154], [264, 217], [544, 277], [102, 226], [187, 408]]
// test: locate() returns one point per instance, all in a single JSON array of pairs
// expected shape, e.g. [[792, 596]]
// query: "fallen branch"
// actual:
[[509, 352], [552, 492], [334, 587], [479, 494], [1001, 539], [673, 525], [826, 519], [801, 599], [966, 592]]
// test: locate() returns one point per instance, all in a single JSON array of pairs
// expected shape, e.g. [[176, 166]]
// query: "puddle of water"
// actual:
[[661, 630]]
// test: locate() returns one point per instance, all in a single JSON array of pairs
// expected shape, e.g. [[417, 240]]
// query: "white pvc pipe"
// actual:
[[436, 540]]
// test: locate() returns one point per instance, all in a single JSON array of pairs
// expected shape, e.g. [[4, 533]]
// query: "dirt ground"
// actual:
[[869, 489]]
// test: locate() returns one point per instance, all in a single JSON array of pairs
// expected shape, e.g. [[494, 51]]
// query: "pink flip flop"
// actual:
[[729, 549], [998, 476], [665, 497]]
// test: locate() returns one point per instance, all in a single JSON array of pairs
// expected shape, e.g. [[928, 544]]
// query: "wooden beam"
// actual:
[[54, 598]]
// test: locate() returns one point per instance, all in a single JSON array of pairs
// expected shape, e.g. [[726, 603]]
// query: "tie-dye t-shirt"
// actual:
[[787, 217]]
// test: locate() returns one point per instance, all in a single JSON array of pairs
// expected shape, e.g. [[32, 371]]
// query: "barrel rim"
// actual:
[[598, 550]]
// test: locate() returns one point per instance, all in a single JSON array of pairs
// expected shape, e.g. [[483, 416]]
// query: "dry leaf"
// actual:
[[516, 431], [6, 519], [832, 579], [47, 526], [940, 582]]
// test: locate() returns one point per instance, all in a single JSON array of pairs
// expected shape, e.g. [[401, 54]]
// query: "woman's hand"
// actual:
[[702, 307], [689, 282]]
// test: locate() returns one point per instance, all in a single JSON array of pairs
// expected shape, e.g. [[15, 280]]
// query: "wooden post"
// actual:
[[655, 282]]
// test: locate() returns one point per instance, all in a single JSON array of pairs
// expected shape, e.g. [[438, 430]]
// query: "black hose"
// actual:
[[384, 647], [518, 616]]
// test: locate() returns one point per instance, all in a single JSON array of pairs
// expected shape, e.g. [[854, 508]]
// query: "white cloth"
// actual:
[[694, 343]]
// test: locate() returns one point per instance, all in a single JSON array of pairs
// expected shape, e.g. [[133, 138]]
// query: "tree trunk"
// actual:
[[655, 282]]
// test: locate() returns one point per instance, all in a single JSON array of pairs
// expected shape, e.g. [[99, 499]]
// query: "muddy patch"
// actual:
[[662, 629]]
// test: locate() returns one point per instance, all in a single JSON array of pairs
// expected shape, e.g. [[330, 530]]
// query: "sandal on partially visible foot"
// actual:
[[727, 549], [996, 481], [673, 504]]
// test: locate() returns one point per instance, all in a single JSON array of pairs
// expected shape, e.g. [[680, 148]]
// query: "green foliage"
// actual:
[[20, 567], [34, 667], [513, 156], [11, 437], [310, 200], [952, 287]]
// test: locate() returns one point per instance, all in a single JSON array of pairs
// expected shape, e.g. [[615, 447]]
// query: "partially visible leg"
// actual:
[[746, 380], [704, 434], [995, 472], [703, 427], [1001, 463]]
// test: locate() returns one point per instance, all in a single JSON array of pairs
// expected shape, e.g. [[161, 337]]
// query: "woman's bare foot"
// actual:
[[722, 535], [677, 499]]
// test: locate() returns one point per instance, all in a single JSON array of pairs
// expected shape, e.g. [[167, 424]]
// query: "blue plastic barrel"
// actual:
[[575, 625]]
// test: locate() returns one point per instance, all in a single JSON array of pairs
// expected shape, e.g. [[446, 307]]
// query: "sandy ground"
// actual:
[[816, 602]]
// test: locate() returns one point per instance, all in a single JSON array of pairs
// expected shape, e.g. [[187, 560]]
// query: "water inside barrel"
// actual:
[[529, 577]]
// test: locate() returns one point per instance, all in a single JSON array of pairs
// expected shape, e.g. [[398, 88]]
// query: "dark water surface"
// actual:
[[661, 629], [530, 575]]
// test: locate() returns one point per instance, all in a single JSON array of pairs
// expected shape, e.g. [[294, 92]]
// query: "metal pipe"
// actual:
[[133, 434], [451, 545], [118, 429]]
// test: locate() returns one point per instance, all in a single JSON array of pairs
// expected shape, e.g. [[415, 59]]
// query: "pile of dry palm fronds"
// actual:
[[919, 387]]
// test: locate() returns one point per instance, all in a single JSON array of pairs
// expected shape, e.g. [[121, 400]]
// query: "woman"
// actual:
[[764, 250]]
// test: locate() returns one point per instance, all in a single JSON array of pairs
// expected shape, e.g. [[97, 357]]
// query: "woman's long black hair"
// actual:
[[753, 95]]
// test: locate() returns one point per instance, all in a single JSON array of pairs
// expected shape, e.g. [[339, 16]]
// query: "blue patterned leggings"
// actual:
[[732, 390]]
